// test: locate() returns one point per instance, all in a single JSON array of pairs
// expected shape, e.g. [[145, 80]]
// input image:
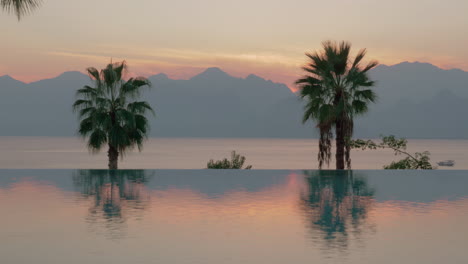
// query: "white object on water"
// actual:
[[448, 163]]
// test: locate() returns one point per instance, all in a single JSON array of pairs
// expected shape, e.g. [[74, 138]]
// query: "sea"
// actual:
[[194, 153]]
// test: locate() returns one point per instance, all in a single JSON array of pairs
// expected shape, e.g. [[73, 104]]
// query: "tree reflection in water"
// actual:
[[336, 205], [117, 194]]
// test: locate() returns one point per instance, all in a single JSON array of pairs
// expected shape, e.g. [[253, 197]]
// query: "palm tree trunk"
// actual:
[[340, 145], [113, 155]]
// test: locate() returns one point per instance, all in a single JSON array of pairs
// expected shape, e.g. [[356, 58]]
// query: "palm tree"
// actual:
[[108, 113], [20, 7], [336, 88]]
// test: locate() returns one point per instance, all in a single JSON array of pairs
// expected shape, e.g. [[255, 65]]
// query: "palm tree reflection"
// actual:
[[336, 205], [117, 195]]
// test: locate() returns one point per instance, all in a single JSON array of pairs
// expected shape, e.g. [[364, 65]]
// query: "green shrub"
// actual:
[[236, 162]]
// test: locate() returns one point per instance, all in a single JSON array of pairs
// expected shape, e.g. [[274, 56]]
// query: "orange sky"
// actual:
[[264, 37]]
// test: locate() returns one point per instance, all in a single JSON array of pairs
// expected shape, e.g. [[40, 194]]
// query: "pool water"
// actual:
[[233, 216]]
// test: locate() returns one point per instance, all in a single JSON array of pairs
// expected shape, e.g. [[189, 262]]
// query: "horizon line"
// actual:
[[244, 76]]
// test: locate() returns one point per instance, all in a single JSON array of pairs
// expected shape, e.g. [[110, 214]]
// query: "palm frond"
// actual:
[[87, 92], [97, 140], [365, 95], [361, 54], [133, 86], [81, 103], [140, 107], [125, 118], [20, 7], [360, 107], [119, 69], [86, 126], [118, 137], [85, 112], [370, 66]]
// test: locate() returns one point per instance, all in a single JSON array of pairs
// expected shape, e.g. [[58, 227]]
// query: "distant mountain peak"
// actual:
[[254, 77], [210, 73], [416, 64], [68, 76], [160, 76], [214, 70], [71, 74], [8, 78]]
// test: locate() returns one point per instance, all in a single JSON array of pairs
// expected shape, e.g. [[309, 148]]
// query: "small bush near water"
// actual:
[[236, 162]]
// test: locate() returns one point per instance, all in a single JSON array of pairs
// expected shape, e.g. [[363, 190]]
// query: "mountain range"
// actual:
[[415, 100]]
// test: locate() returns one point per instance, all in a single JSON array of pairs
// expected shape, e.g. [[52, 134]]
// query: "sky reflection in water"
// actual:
[[207, 216]]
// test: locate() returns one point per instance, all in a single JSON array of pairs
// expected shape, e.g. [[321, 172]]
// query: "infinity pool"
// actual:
[[212, 216]]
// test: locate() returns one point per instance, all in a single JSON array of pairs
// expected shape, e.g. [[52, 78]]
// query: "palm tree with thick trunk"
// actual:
[[109, 113], [336, 88], [20, 7]]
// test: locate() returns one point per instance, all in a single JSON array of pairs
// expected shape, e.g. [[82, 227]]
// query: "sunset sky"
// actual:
[[264, 37]]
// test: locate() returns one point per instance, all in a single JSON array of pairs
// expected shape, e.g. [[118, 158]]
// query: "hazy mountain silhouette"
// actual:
[[416, 100], [8, 82], [417, 82], [41, 108]]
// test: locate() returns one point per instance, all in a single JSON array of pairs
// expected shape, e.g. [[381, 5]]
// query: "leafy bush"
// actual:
[[419, 160], [236, 162]]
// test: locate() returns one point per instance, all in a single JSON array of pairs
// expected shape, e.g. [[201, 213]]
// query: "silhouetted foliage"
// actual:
[[336, 88], [20, 7], [109, 113], [419, 160], [236, 162], [335, 202]]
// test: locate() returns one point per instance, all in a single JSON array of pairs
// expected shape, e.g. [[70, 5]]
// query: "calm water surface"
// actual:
[[193, 153], [211, 216]]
